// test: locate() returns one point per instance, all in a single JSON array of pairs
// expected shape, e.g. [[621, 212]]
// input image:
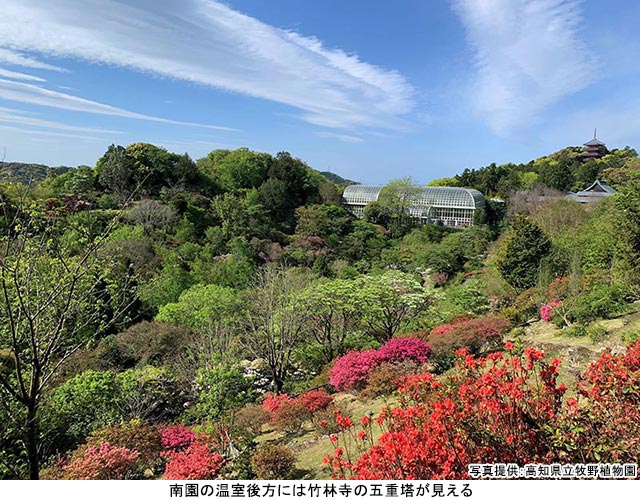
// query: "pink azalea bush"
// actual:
[[100, 462], [352, 370], [402, 349], [175, 437], [546, 311]]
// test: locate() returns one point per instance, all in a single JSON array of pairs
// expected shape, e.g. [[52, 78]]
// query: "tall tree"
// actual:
[[335, 312], [275, 321], [51, 304], [391, 299], [523, 248], [396, 198]]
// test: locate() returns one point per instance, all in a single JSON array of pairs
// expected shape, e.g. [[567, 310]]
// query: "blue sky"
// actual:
[[370, 89]]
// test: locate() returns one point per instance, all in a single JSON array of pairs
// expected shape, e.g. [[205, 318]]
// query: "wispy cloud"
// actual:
[[206, 42], [528, 55], [9, 56], [20, 76], [340, 137], [15, 116], [33, 94], [29, 132]]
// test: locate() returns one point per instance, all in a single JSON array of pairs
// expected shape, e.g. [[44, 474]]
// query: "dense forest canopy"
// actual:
[[156, 311]]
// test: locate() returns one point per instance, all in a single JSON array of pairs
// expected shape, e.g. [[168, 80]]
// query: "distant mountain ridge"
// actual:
[[335, 178], [26, 173]]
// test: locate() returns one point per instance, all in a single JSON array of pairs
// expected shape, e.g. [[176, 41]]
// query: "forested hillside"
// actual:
[[162, 317]]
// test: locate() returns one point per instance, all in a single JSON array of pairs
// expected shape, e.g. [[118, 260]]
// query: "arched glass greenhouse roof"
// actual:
[[361, 194], [357, 194]]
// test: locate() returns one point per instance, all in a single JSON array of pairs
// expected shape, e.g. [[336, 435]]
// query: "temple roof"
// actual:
[[594, 142], [597, 187]]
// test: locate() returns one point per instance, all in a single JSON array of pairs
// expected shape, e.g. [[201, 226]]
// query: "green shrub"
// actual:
[[273, 461], [600, 302], [576, 330], [597, 333], [222, 388]]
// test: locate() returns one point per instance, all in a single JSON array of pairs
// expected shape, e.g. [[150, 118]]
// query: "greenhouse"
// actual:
[[444, 206]]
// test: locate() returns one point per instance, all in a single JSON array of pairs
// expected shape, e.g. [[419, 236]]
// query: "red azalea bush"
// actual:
[[273, 402], [476, 335], [289, 414], [351, 370], [175, 437], [500, 409], [492, 409], [195, 462], [314, 401], [100, 462], [603, 423], [448, 327]]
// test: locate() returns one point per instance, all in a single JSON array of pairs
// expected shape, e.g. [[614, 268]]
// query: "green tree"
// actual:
[[51, 305], [523, 248], [115, 172], [396, 198], [334, 313], [389, 300], [555, 174], [275, 321], [222, 388]]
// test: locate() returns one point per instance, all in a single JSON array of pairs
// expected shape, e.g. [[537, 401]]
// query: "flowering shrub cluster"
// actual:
[[196, 461], [352, 370], [502, 408], [100, 462], [176, 437], [546, 310], [603, 423], [289, 414], [136, 435], [314, 401], [477, 335], [273, 402], [403, 349], [491, 410]]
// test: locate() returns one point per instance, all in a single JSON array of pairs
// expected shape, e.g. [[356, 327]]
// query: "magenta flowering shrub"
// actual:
[[175, 437], [402, 349], [546, 311], [351, 370]]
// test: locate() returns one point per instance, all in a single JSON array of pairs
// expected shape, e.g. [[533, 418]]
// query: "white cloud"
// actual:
[[8, 56], [528, 55], [340, 137], [14, 116], [48, 133], [32, 94], [206, 42], [20, 76]]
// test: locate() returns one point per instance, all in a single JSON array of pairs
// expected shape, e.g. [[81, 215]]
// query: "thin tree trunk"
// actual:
[[32, 441]]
